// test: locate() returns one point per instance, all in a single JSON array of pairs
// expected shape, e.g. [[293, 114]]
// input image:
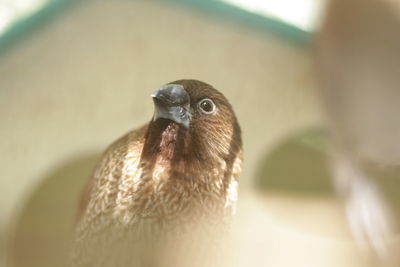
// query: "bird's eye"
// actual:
[[207, 106]]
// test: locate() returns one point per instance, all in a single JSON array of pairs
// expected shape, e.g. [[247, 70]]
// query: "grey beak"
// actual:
[[172, 102]]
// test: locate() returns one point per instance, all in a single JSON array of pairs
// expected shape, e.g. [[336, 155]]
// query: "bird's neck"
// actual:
[[165, 139], [171, 154], [171, 144]]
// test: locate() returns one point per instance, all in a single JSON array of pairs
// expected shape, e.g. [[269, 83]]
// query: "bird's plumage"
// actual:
[[162, 182]]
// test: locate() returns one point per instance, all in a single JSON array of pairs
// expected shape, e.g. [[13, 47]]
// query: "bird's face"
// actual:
[[207, 122]]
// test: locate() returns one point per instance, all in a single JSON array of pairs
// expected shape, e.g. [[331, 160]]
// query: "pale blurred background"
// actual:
[[76, 75]]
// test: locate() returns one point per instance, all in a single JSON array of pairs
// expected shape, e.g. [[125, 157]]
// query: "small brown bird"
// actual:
[[161, 188]]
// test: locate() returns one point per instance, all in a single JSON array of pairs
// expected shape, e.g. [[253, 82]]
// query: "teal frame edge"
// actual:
[[268, 24], [264, 23], [31, 23]]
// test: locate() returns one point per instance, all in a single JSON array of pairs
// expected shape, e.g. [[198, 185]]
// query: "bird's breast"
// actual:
[[165, 194]]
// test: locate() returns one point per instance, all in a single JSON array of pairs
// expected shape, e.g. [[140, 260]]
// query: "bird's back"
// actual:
[[101, 205]]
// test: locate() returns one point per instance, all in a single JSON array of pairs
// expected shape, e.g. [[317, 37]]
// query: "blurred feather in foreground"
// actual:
[[359, 69]]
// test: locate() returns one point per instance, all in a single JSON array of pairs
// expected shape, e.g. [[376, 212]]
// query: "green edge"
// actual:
[[292, 33], [268, 24], [31, 23]]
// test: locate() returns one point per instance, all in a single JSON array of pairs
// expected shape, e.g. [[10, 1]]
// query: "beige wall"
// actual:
[[76, 84]]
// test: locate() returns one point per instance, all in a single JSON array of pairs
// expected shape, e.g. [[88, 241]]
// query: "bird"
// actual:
[[167, 186]]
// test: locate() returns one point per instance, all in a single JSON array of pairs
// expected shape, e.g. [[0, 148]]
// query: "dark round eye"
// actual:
[[207, 106]]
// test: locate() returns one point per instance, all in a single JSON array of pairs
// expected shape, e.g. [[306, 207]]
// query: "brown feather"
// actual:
[[160, 182]]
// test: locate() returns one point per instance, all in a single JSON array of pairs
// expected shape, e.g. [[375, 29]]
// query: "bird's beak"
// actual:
[[172, 102]]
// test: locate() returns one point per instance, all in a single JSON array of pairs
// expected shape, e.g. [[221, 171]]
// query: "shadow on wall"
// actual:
[[298, 165], [43, 232], [388, 181]]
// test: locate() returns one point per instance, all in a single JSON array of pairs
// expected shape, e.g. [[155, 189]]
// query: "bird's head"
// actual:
[[193, 119]]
